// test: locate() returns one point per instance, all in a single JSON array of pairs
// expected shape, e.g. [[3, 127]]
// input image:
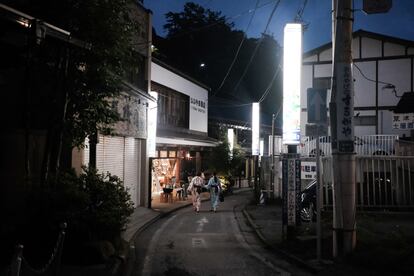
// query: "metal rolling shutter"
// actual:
[[120, 156], [110, 155], [86, 153], [131, 166]]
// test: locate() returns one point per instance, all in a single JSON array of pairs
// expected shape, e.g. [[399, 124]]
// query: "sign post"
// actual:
[[318, 120], [291, 184]]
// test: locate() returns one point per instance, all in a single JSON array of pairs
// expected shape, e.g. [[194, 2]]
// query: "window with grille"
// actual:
[[173, 109]]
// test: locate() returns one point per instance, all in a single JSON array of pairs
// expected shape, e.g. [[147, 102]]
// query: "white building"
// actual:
[[380, 63], [181, 122]]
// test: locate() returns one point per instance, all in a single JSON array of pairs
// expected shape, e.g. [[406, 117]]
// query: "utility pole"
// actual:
[[272, 172], [341, 110]]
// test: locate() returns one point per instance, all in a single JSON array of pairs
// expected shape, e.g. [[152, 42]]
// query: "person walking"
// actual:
[[195, 188], [185, 185], [214, 186]]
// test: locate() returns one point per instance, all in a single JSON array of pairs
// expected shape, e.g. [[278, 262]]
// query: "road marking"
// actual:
[[198, 242], [201, 223]]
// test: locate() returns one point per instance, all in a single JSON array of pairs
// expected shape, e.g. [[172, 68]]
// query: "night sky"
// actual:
[[398, 22]]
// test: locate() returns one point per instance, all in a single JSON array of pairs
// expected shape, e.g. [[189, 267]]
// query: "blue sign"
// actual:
[[317, 113]]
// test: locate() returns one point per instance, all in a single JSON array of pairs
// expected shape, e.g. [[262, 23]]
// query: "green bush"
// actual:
[[108, 204], [95, 206]]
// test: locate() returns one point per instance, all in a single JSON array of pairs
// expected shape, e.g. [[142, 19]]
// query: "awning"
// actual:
[[185, 142]]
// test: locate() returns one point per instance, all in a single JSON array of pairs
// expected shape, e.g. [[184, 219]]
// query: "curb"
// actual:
[[124, 257], [126, 253], [282, 253]]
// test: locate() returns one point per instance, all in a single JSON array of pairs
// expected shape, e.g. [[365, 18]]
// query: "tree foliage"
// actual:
[[94, 75], [222, 161], [197, 35]]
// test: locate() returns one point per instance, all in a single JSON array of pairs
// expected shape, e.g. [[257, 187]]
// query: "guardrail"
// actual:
[[382, 181], [364, 145], [20, 266]]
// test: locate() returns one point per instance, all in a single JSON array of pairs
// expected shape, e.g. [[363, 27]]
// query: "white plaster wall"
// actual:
[[392, 49], [396, 72], [303, 122], [364, 89], [370, 48], [355, 48], [364, 130], [311, 58], [161, 75], [326, 55], [323, 70], [305, 84], [365, 112]]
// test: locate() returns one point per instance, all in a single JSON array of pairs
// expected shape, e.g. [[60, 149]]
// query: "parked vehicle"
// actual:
[[308, 202]]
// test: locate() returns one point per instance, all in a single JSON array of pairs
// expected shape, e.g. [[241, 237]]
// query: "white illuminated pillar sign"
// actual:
[[292, 61], [230, 138], [152, 126], [261, 147], [255, 129]]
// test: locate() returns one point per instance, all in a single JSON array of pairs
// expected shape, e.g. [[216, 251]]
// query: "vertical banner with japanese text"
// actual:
[[291, 172], [343, 110]]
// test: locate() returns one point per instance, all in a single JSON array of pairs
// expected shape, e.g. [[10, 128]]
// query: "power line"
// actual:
[[264, 95], [238, 50], [149, 42], [365, 77], [226, 19], [298, 17], [270, 84], [301, 10], [257, 45]]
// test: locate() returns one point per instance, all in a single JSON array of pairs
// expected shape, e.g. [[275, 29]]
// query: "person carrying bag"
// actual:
[[195, 188], [214, 186]]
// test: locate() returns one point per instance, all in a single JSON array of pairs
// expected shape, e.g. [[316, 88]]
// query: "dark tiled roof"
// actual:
[[362, 33], [406, 103]]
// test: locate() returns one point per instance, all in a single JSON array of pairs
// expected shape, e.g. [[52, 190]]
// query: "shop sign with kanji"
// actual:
[[403, 121]]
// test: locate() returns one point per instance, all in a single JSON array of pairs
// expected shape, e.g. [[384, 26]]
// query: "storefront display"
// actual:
[[164, 174]]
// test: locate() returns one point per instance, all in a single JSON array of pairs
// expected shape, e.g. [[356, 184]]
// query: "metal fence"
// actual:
[[382, 181], [20, 266], [364, 145]]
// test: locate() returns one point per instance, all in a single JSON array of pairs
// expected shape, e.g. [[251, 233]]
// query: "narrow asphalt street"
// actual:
[[186, 243]]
